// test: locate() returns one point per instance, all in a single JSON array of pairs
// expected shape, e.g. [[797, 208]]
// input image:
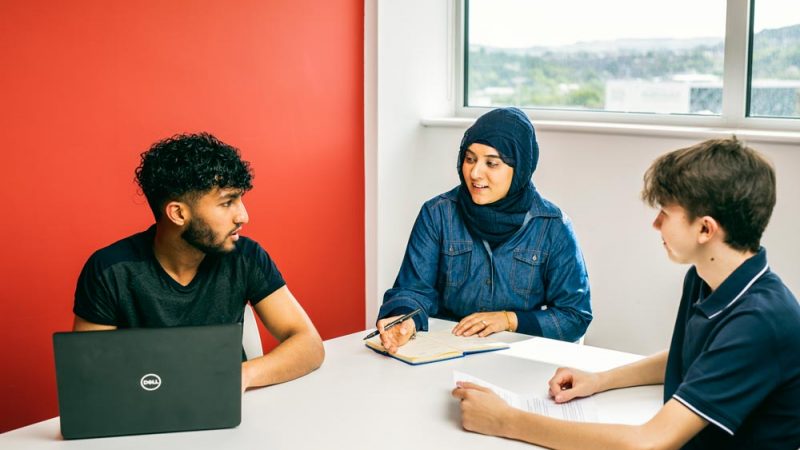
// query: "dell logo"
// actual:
[[150, 382]]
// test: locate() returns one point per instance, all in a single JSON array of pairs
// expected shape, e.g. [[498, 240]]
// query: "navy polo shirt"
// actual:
[[735, 359]]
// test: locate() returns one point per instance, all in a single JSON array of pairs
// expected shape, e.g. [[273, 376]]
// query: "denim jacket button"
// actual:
[[534, 257], [488, 281]]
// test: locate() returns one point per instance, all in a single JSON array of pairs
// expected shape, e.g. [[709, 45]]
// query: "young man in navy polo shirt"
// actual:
[[731, 375]]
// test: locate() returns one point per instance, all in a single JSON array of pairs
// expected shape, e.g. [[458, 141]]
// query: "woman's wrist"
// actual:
[[511, 320]]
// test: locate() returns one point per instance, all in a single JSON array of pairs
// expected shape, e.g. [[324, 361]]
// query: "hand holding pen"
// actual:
[[395, 331]]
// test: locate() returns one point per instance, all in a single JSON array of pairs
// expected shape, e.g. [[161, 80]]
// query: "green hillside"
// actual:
[[576, 77]]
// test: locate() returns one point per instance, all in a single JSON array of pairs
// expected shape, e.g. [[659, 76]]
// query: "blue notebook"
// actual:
[[436, 346]]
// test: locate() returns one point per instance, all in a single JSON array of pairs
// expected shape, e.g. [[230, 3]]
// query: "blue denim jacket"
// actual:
[[539, 273]]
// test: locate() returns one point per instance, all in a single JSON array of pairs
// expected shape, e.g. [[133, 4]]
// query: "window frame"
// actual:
[[735, 91]]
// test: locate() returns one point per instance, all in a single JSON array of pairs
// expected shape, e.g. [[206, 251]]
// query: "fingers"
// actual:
[[460, 326], [402, 333], [459, 393], [561, 379], [474, 328], [567, 395], [467, 324], [489, 329], [568, 384], [387, 339], [396, 336], [482, 324], [465, 389], [382, 323], [393, 338], [468, 385]]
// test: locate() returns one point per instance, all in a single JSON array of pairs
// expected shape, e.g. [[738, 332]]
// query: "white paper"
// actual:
[[577, 410]]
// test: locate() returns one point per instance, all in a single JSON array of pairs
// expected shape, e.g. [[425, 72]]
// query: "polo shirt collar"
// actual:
[[737, 283]]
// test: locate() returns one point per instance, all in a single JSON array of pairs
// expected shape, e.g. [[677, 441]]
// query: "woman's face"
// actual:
[[487, 177]]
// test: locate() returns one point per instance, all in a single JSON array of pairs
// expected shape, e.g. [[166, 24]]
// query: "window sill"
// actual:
[[787, 137]]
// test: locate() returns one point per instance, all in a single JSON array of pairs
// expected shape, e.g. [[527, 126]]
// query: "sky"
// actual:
[[527, 23]]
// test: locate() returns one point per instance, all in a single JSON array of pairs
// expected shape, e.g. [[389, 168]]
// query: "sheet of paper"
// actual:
[[579, 410]]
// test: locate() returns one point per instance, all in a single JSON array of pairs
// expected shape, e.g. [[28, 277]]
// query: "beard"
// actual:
[[200, 236]]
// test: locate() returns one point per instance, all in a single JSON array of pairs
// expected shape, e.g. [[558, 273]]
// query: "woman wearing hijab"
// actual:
[[492, 254]]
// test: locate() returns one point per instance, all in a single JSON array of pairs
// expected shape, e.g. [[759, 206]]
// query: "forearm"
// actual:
[[80, 324], [562, 322], [672, 427], [649, 370], [560, 434], [296, 356]]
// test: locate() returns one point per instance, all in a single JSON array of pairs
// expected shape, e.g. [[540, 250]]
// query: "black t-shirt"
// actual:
[[125, 286]]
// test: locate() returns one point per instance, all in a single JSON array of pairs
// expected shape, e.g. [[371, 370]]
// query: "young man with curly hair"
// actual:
[[192, 267], [731, 375]]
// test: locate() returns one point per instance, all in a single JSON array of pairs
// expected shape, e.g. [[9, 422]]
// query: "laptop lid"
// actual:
[[148, 380]]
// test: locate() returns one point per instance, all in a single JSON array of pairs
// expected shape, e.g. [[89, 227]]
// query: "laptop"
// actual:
[[148, 380]]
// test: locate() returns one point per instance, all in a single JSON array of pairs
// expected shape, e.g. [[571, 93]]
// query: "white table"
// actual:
[[359, 399]]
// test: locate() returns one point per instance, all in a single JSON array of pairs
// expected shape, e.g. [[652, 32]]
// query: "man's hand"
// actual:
[[396, 336], [485, 323], [569, 383], [482, 411]]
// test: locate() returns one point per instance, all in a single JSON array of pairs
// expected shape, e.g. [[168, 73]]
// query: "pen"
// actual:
[[394, 322]]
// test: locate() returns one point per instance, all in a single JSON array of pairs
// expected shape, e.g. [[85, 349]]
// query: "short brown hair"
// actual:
[[721, 178]]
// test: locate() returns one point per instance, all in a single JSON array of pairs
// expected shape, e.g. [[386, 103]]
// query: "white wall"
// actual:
[[596, 178], [408, 65]]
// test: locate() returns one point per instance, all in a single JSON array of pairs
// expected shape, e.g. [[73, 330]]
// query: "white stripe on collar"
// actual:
[[758, 275]]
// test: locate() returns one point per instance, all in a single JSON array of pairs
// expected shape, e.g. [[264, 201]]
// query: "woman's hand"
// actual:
[[482, 411], [398, 335], [485, 323], [569, 383]]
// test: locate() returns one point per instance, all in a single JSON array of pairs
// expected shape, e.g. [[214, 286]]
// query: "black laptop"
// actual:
[[148, 380]]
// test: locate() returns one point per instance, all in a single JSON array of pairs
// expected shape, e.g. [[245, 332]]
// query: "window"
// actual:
[[680, 60], [775, 67]]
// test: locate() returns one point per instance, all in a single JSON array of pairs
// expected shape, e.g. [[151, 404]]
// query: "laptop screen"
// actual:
[[148, 380]]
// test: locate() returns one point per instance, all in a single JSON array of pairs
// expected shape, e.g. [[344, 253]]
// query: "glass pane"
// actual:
[[775, 80], [614, 55]]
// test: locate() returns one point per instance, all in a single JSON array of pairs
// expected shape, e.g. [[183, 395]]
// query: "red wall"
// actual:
[[86, 86]]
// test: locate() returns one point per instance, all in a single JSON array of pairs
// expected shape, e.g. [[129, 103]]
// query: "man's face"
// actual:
[[216, 218], [678, 235]]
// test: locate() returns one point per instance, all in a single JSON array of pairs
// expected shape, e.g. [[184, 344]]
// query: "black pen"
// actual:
[[394, 322]]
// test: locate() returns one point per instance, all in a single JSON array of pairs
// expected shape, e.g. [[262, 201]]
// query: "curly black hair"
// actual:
[[185, 166]]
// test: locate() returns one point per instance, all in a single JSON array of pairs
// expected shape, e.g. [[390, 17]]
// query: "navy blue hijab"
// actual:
[[508, 131]]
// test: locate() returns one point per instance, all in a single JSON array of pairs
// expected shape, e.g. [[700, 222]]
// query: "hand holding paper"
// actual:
[[582, 410], [482, 410]]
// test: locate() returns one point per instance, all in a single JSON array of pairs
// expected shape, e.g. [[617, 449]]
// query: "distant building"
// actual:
[[699, 94]]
